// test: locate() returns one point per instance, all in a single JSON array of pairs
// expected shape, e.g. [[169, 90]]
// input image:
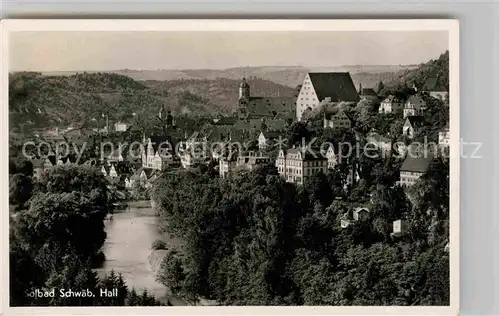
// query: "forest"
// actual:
[[256, 240]]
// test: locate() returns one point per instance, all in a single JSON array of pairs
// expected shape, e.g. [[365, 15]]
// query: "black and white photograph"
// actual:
[[231, 166]]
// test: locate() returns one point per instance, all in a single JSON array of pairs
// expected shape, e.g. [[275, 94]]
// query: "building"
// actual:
[[414, 167], [113, 155], [227, 165], [412, 126], [435, 89], [267, 139], [194, 150], [356, 215], [447, 247], [390, 104], [317, 86], [352, 175], [368, 94], [381, 142], [298, 166], [399, 227], [263, 107], [190, 159], [109, 171], [252, 160], [336, 119], [121, 127], [444, 137], [38, 167], [195, 140], [331, 156], [415, 106], [141, 178], [157, 154]]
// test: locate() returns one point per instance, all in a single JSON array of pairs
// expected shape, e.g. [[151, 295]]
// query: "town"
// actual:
[[342, 170]]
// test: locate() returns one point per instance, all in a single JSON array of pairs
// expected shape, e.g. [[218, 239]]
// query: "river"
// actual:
[[128, 249]]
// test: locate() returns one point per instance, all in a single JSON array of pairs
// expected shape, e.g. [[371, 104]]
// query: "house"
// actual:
[[331, 157], [112, 155], [227, 165], [109, 171], [267, 139], [298, 166], [356, 215], [444, 137], [390, 104], [399, 227], [140, 178], [121, 127], [360, 213], [189, 159], [317, 86], [263, 107], [412, 126], [37, 167], [336, 119], [435, 89], [158, 154], [352, 174], [381, 142], [224, 120], [368, 94], [251, 160], [195, 140], [414, 167], [415, 106], [447, 247]]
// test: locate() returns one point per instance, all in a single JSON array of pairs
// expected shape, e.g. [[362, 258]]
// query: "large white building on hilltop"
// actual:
[[317, 86]]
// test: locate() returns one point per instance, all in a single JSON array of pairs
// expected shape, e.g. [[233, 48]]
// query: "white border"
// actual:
[[242, 25]]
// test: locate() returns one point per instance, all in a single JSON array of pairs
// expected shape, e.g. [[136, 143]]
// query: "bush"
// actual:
[[159, 245]]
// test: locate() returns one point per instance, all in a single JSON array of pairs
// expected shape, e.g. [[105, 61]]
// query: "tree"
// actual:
[[65, 219], [171, 273], [111, 282], [366, 112], [320, 189], [297, 134], [76, 275], [20, 189], [380, 87]]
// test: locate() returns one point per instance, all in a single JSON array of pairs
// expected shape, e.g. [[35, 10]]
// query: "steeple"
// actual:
[[161, 112], [169, 119], [244, 90]]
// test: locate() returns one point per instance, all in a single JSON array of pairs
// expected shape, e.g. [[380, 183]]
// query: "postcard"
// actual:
[[230, 166]]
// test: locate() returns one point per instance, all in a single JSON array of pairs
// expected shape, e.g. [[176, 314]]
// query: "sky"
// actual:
[[93, 51]]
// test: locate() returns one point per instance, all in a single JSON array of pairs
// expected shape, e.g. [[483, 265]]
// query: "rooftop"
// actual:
[[417, 164], [336, 85]]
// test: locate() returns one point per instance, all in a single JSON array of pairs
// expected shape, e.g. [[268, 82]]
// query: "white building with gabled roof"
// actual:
[[317, 86]]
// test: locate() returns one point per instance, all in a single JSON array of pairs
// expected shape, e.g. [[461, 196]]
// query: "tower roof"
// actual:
[[244, 83]]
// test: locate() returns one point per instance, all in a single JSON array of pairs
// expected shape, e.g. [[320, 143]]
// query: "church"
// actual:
[[257, 107]]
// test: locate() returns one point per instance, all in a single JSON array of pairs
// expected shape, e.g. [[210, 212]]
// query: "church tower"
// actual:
[[244, 91]]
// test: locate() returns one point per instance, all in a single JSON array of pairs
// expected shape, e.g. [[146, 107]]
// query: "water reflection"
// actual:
[[130, 234]]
